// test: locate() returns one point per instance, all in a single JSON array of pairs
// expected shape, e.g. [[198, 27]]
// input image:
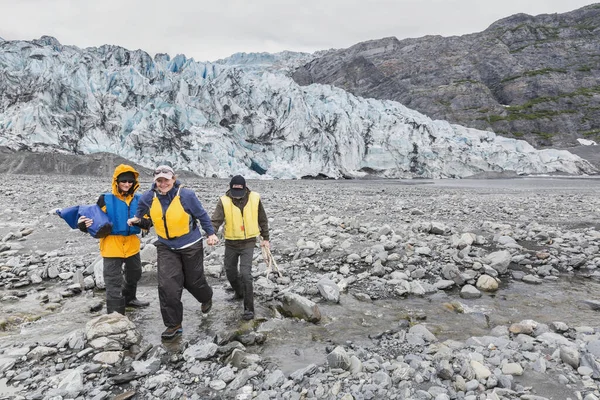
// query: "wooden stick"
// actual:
[[270, 261]]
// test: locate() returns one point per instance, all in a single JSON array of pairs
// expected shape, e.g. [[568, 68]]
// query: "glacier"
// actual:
[[241, 115]]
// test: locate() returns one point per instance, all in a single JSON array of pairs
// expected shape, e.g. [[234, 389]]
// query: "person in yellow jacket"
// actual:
[[121, 249], [245, 219]]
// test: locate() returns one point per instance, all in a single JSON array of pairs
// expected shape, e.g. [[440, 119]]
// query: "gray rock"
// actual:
[[338, 358], [201, 351], [241, 359], [470, 292], [329, 290], [274, 380], [299, 374], [570, 355], [98, 268], [499, 260], [300, 307], [111, 332]]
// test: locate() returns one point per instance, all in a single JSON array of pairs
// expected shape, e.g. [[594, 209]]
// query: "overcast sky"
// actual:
[[209, 30]]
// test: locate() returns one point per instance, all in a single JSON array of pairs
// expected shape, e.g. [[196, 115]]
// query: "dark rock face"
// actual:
[[98, 164], [530, 77]]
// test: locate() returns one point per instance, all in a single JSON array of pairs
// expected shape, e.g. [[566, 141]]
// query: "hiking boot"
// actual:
[[135, 303], [248, 315], [171, 332], [205, 308]]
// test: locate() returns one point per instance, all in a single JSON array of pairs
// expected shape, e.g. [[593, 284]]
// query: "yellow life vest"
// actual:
[[174, 222], [240, 226]]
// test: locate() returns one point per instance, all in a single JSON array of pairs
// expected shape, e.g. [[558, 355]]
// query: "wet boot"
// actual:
[[129, 293], [115, 305]]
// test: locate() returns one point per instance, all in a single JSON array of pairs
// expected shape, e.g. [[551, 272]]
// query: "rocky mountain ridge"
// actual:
[[531, 77]]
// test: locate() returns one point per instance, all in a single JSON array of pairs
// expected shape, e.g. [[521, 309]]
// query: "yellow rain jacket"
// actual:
[[119, 245]]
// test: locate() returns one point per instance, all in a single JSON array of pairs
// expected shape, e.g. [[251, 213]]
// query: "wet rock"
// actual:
[[300, 307], [593, 304], [525, 327], [470, 292], [200, 351], [329, 290], [487, 283], [532, 279]]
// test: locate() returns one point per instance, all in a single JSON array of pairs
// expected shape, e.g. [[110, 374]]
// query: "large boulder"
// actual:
[[296, 306], [111, 332], [499, 260]]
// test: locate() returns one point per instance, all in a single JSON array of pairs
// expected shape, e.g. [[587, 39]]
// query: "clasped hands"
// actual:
[[212, 240], [133, 221]]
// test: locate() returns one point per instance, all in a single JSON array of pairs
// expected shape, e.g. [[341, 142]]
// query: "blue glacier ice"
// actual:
[[240, 115]]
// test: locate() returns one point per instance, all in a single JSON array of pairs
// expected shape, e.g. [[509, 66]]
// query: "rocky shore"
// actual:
[[341, 321]]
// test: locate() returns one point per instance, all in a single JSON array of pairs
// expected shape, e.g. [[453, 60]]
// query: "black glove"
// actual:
[[144, 223]]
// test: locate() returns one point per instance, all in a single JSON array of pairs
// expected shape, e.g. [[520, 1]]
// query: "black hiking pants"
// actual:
[[178, 269], [241, 281], [121, 283]]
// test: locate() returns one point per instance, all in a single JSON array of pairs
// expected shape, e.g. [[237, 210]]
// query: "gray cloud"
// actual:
[[216, 29]]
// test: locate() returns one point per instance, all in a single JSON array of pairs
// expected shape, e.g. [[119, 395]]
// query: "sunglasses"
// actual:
[[126, 181], [163, 171]]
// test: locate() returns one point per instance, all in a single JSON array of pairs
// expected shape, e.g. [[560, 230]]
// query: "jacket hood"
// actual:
[[118, 171]]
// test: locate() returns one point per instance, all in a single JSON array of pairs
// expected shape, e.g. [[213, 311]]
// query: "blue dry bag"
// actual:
[[101, 227]]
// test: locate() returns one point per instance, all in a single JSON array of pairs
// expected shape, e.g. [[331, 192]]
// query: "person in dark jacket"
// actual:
[[245, 219], [174, 211], [122, 247]]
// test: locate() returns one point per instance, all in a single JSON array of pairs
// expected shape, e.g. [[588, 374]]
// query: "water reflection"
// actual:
[[292, 344]]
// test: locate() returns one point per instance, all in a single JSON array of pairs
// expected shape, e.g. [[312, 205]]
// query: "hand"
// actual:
[[87, 221], [265, 243], [212, 240], [133, 221]]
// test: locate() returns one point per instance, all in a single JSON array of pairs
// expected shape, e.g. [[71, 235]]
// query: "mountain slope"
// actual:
[[530, 77]]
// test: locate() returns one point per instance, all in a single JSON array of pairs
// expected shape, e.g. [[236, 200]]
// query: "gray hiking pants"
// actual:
[[178, 269], [241, 281]]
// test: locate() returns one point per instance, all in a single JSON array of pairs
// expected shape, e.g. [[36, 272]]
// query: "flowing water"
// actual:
[[294, 344]]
